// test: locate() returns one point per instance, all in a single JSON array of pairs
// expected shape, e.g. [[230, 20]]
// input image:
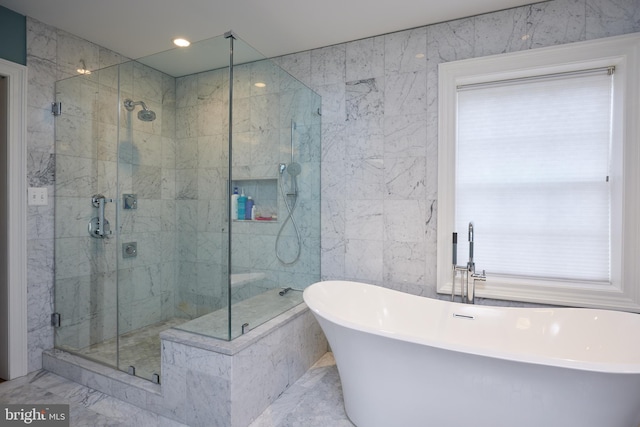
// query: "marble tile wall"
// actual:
[[146, 168], [379, 136], [379, 129], [201, 171]]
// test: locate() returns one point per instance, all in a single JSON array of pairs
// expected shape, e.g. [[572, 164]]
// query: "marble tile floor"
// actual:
[[139, 348], [315, 400], [87, 407]]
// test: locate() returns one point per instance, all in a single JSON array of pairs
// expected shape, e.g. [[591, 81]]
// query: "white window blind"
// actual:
[[532, 173]]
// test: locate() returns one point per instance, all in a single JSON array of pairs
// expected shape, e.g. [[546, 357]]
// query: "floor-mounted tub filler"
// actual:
[[412, 361]]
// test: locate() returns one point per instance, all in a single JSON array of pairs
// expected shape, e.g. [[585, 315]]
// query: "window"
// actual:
[[532, 170], [539, 149]]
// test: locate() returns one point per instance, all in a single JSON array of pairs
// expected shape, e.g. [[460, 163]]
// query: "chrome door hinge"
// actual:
[[56, 108], [55, 320]]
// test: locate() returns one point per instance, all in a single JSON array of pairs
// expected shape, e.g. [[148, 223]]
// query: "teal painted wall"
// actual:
[[13, 33]]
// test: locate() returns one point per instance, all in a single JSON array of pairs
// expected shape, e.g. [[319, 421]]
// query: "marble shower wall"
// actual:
[[201, 171], [146, 168], [380, 134]]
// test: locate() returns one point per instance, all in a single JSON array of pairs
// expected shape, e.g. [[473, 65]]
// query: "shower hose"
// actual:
[[291, 207]]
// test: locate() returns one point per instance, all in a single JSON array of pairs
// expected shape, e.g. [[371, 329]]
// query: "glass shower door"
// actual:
[[85, 246], [115, 217]]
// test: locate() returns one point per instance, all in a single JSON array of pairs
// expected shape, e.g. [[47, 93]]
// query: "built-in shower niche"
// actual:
[[264, 193]]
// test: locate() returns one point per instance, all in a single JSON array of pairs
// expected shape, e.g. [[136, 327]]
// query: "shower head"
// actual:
[[294, 169], [145, 114], [282, 168]]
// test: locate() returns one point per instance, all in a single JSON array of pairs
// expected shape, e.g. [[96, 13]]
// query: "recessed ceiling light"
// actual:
[[82, 69], [181, 42], [420, 55], [259, 84]]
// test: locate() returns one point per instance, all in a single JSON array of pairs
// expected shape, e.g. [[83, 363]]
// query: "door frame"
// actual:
[[16, 363]]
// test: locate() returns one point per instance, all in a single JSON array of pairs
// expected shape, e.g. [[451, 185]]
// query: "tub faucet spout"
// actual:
[[475, 277], [468, 276]]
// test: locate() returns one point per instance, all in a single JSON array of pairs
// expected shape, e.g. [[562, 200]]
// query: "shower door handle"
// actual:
[[99, 226]]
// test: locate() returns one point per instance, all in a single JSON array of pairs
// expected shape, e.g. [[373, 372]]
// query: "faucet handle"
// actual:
[[478, 276]]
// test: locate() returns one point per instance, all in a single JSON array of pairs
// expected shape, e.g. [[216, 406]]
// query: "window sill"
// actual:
[[563, 293]]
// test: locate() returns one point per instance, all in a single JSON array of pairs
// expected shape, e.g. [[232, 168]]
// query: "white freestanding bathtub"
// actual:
[[411, 361]]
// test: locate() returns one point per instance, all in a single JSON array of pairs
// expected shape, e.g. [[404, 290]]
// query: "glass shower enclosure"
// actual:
[[148, 154]]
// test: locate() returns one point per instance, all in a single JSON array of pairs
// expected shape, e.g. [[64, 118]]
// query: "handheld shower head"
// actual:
[[294, 169], [282, 168]]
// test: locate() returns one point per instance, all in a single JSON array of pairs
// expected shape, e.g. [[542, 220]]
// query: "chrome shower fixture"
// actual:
[[145, 114], [294, 169], [284, 291]]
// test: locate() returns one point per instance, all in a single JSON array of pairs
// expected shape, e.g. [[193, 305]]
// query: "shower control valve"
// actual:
[[129, 250], [99, 225], [98, 199], [129, 201]]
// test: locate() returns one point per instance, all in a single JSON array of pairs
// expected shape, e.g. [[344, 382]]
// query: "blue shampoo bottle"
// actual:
[[248, 207], [242, 203], [234, 203]]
